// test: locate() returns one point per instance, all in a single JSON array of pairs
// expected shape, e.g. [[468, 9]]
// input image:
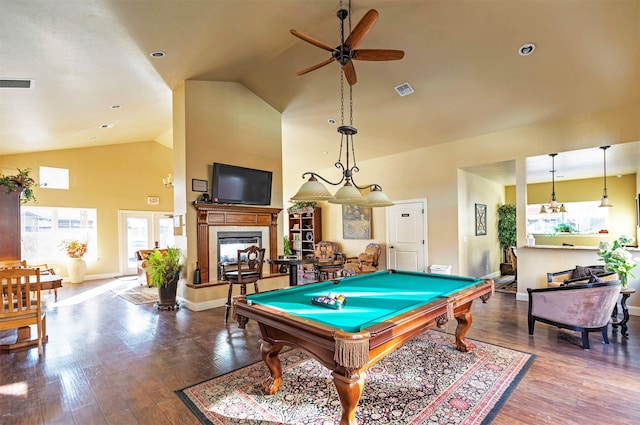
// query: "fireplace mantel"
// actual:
[[232, 215]]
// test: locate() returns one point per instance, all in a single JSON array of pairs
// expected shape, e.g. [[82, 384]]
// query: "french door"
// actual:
[[142, 230]]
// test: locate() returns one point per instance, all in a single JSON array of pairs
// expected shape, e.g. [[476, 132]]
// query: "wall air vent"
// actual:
[[404, 89], [16, 83]]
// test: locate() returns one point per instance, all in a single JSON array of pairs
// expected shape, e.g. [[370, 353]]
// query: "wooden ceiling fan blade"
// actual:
[[350, 73], [313, 41], [378, 54], [362, 29], [314, 67]]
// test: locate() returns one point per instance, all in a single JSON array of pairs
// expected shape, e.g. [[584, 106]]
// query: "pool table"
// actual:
[[382, 311]]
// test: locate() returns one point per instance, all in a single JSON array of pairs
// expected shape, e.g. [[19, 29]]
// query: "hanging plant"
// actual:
[[20, 182]]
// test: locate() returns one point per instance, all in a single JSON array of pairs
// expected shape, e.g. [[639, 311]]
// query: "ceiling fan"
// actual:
[[346, 52]]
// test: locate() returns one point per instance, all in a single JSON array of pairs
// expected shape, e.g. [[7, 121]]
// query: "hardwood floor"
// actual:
[[108, 361]]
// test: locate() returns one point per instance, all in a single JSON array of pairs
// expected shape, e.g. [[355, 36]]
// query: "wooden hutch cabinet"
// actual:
[[305, 230]]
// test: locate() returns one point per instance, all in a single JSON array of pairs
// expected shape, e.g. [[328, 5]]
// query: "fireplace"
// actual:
[[214, 218], [228, 245]]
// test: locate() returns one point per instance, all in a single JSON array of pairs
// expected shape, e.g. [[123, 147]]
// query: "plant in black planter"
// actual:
[[164, 267]]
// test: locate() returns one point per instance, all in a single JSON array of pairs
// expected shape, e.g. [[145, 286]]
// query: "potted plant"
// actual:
[[617, 258], [302, 207], [77, 267], [164, 267], [565, 228], [20, 182]]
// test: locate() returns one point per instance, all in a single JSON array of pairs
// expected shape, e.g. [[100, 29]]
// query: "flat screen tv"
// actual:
[[240, 185]]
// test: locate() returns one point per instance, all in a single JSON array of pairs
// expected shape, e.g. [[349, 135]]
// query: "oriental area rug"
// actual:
[[426, 381]]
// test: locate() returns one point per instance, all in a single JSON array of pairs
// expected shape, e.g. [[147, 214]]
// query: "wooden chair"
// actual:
[[17, 309], [250, 262], [45, 269], [12, 264], [327, 261]]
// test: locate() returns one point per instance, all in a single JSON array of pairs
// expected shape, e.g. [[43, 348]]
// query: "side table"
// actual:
[[626, 293]]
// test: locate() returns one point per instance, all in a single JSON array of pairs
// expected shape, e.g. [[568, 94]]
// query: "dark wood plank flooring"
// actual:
[[112, 362]]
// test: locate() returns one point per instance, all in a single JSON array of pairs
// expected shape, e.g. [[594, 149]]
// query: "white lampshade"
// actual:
[[377, 198], [604, 202], [312, 190], [348, 194], [563, 209], [543, 209]]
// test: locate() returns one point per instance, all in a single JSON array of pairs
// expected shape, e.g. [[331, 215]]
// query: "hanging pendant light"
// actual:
[[604, 202], [350, 192], [554, 206]]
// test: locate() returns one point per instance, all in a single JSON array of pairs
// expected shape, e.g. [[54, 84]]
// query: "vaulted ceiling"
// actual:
[[90, 66]]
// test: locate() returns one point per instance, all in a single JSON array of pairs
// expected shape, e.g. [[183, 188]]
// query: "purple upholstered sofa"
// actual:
[[585, 308]]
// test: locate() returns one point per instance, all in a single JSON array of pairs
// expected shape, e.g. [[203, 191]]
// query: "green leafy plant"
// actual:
[[565, 228], [300, 206], [617, 258], [21, 182], [164, 266], [286, 244], [507, 233]]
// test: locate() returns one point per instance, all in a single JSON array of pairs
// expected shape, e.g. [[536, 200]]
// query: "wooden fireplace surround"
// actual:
[[232, 215]]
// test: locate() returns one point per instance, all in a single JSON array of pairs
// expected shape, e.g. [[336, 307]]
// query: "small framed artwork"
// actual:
[[199, 185], [356, 222], [481, 219]]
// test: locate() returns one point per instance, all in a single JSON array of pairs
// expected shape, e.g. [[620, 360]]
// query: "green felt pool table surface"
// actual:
[[370, 298]]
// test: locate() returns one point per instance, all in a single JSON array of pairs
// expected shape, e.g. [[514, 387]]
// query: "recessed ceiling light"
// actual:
[[92, 137], [116, 106], [157, 54], [331, 121], [526, 49], [106, 126]]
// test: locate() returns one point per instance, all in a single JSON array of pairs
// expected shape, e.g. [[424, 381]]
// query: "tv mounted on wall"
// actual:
[[239, 185]]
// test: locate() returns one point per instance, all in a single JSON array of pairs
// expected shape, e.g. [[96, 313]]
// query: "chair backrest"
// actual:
[[325, 252], [16, 285], [514, 257], [372, 254], [585, 306], [250, 262]]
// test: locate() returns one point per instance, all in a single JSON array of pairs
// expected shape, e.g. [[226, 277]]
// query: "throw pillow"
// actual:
[[580, 272], [594, 278]]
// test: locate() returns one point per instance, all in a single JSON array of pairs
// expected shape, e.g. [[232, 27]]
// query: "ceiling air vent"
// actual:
[[404, 89], [14, 83]]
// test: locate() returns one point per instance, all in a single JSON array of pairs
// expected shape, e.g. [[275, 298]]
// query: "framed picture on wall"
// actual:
[[481, 219], [356, 222], [198, 185]]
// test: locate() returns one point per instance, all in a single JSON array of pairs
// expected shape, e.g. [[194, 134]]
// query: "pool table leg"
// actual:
[[270, 352], [349, 391], [464, 323]]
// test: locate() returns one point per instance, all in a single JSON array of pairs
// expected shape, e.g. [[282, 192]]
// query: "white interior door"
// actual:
[[141, 230], [406, 236]]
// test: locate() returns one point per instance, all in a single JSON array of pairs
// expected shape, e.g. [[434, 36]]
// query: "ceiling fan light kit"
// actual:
[[350, 192]]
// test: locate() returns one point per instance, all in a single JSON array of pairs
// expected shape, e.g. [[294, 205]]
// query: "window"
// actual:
[[585, 217], [44, 228], [54, 178]]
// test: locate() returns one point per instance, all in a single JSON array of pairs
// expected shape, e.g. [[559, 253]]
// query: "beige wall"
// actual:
[[431, 172], [220, 122], [109, 178]]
